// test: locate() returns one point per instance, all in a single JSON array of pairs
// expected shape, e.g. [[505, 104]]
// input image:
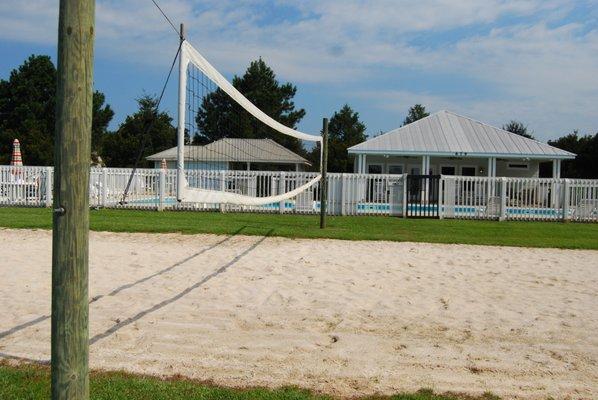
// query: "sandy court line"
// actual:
[[346, 318]]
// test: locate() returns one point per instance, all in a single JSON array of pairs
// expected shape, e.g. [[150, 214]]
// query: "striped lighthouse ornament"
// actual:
[[16, 159]]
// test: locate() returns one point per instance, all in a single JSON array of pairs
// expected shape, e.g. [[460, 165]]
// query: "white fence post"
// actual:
[[161, 189], [281, 190], [503, 199], [104, 188], [440, 198], [342, 193], [222, 188], [405, 189], [49, 185], [566, 216]]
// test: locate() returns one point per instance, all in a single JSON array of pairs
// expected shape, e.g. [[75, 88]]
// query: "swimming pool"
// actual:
[[383, 208]]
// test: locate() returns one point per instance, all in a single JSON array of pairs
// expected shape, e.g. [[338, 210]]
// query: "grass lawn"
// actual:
[[511, 233], [33, 382]]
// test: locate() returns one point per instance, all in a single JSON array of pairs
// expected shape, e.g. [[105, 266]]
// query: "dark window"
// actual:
[[374, 169], [447, 171], [395, 169], [468, 171], [517, 166]]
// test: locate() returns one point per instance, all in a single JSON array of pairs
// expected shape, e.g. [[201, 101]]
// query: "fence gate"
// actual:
[[422, 196]]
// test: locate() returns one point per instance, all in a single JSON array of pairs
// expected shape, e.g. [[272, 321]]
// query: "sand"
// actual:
[[344, 318]]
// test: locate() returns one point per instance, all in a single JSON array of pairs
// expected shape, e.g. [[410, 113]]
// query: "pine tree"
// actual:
[[120, 148], [344, 130], [220, 117], [518, 128], [415, 113], [27, 102]]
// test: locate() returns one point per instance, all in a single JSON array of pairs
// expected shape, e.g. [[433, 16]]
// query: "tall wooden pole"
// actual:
[[324, 182], [180, 153], [70, 239]]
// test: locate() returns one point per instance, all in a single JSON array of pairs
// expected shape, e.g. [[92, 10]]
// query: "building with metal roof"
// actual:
[[224, 154], [451, 144]]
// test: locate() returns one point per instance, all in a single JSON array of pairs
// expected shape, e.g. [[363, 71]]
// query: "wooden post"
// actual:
[[70, 236], [324, 182], [180, 153]]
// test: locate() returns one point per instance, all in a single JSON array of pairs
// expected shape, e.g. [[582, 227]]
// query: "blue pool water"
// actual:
[[373, 208]]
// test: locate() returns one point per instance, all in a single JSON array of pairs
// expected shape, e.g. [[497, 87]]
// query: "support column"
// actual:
[[491, 174], [491, 167], [364, 165], [556, 169], [556, 174], [248, 166]]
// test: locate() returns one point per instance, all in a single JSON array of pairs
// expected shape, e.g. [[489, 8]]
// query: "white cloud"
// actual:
[[542, 72]]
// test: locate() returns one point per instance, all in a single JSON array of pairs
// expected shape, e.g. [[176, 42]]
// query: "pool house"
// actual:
[[446, 143]]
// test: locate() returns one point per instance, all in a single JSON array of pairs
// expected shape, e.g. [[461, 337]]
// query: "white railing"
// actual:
[[538, 199], [26, 186], [348, 194]]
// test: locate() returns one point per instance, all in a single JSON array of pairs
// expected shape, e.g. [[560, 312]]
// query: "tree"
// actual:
[[120, 149], [585, 165], [518, 128], [415, 113], [101, 117], [344, 130], [219, 116], [27, 103]]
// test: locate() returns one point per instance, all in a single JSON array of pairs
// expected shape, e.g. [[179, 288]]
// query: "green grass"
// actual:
[[33, 382], [509, 233]]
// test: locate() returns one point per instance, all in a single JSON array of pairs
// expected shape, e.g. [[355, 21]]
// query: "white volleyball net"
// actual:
[[222, 134]]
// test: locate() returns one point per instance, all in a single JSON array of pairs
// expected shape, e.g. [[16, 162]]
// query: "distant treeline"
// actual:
[[27, 102]]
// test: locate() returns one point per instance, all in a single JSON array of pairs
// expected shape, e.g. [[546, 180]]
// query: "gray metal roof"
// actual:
[[235, 150], [448, 134]]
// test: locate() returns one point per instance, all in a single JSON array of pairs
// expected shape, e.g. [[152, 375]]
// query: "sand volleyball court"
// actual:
[[345, 318]]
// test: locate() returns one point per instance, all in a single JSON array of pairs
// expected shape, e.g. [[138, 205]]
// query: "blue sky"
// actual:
[[493, 60]]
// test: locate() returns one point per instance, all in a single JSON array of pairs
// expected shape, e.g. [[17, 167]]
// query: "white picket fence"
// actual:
[[348, 194]]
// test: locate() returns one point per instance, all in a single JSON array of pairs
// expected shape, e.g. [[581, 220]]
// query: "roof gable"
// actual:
[[448, 133]]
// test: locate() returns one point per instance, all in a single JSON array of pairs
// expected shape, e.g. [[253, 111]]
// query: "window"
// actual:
[[395, 169], [518, 166], [447, 170], [468, 171], [375, 169]]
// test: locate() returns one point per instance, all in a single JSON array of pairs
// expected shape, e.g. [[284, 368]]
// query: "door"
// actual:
[[423, 193]]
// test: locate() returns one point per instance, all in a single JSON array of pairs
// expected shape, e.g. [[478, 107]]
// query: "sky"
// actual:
[[535, 61]]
